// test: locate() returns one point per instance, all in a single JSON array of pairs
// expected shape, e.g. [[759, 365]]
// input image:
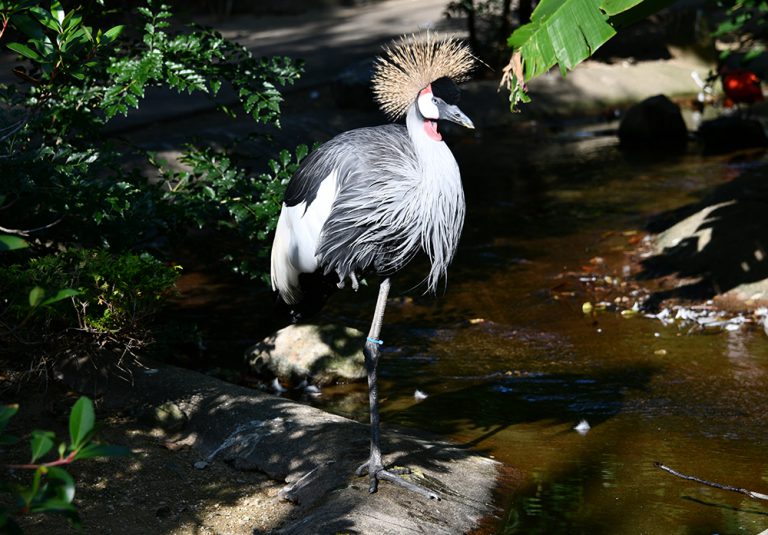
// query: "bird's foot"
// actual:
[[352, 278], [393, 476]]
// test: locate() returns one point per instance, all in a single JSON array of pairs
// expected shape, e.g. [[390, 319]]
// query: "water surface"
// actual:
[[510, 365]]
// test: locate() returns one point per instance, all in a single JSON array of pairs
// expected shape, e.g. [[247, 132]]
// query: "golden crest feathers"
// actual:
[[411, 63]]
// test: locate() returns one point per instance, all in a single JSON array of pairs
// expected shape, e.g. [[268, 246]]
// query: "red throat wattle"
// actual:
[[430, 127]]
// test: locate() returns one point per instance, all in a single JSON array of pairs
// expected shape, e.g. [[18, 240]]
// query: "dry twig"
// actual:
[[740, 490]]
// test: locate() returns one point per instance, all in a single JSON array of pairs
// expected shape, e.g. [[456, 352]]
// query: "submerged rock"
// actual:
[[324, 354], [728, 134], [655, 123]]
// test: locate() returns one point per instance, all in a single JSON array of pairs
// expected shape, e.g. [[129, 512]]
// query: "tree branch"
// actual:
[[27, 232], [740, 490], [11, 129]]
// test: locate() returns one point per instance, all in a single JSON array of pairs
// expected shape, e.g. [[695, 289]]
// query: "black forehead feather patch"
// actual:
[[445, 89]]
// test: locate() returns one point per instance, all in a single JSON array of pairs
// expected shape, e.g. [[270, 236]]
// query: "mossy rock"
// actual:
[[324, 354]]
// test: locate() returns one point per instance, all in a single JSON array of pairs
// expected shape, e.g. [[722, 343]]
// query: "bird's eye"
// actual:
[[434, 100]]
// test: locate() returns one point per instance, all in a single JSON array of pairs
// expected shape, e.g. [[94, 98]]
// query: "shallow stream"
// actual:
[[510, 365]]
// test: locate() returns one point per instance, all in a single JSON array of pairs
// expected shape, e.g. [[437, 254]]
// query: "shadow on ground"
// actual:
[[286, 441]]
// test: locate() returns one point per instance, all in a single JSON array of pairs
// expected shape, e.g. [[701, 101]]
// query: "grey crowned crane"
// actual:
[[367, 201]]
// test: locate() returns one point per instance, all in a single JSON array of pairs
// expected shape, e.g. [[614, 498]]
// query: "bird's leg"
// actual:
[[373, 466], [353, 278], [340, 285]]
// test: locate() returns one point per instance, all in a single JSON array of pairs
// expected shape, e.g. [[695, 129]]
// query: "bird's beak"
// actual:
[[452, 113]]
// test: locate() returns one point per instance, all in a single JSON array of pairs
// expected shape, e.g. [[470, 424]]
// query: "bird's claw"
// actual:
[[352, 278], [393, 476]]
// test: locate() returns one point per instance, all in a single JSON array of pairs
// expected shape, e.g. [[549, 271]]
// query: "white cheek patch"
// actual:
[[427, 108]]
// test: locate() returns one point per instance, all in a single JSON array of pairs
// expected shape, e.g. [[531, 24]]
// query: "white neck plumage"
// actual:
[[439, 193]]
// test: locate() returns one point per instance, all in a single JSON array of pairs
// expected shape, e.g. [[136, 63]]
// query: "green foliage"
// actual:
[[197, 61], [6, 413], [214, 189], [108, 293], [94, 231], [57, 41], [561, 32], [565, 33], [745, 24], [10, 243], [52, 488]]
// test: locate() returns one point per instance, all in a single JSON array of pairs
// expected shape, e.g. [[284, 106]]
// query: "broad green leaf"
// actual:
[[36, 295], [55, 505], [6, 413], [89, 36], [37, 479], [27, 25], [10, 243], [40, 443], [561, 32], [45, 46], [566, 32], [71, 21], [614, 7], [634, 11], [112, 34], [81, 422], [301, 152], [59, 296], [45, 18], [25, 51], [102, 450], [57, 11], [757, 51], [66, 490]]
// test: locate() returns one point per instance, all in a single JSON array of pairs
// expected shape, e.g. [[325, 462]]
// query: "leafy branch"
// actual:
[[52, 489], [96, 220], [565, 33], [215, 189], [200, 60]]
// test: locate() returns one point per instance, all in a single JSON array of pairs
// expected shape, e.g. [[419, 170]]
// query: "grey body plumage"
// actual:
[[390, 203], [369, 200]]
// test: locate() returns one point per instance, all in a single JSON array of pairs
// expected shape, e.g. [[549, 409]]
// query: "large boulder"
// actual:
[[322, 354], [655, 123]]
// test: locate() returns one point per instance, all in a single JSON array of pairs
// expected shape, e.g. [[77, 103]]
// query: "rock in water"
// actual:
[[727, 134], [324, 354], [655, 123]]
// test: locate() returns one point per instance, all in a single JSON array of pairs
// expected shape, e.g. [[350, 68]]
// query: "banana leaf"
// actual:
[[566, 32]]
